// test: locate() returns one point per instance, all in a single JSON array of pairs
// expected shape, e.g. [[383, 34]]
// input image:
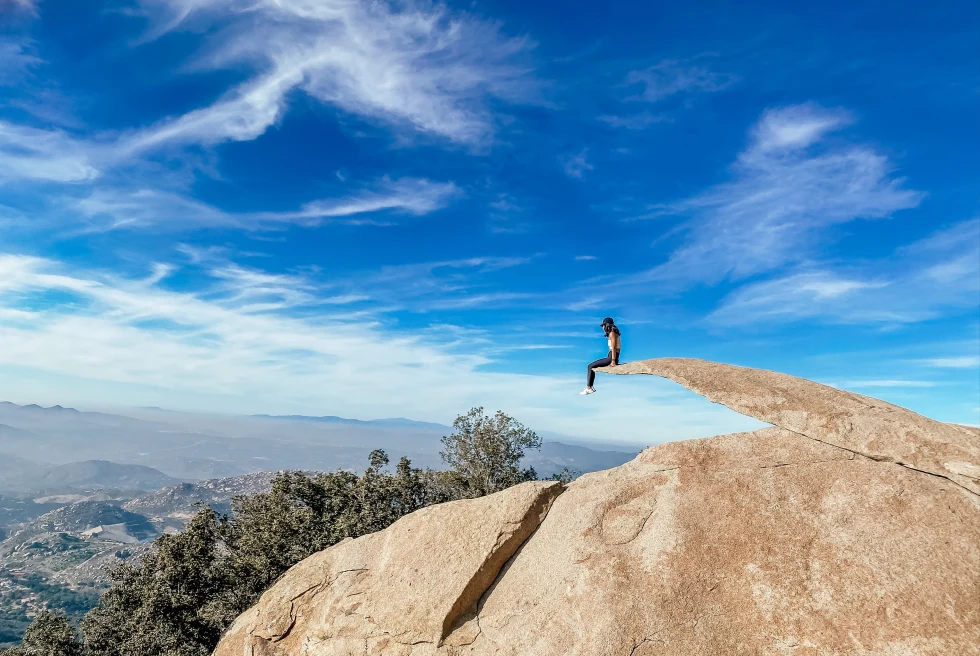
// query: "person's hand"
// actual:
[[613, 363]]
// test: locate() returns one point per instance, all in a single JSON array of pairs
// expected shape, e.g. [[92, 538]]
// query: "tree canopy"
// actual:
[[50, 634], [484, 453]]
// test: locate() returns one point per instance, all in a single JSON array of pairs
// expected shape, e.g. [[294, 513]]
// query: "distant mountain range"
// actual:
[[554, 456], [17, 472], [22, 475], [33, 407], [184, 446], [330, 419], [103, 474]]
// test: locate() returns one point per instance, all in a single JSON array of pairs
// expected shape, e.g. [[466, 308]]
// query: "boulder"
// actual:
[[392, 591], [850, 527]]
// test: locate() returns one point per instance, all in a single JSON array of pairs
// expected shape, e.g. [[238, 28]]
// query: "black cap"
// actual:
[[607, 321]]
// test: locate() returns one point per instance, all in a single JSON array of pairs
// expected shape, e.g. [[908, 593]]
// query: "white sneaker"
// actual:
[[587, 391]]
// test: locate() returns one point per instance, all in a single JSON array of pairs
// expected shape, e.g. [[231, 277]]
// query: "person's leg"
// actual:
[[601, 362]]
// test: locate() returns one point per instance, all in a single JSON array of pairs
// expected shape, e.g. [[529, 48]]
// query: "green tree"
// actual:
[[50, 634], [565, 476], [484, 453], [169, 602]]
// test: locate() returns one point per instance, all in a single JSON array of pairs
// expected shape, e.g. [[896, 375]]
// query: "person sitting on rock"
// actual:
[[611, 360]]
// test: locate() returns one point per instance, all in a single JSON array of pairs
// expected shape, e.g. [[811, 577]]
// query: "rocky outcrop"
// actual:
[[852, 527], [401, 588], [862, 424]]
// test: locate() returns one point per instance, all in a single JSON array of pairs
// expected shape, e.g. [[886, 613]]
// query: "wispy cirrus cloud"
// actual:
[[26, 6], [576, 165], [956, 362], [414, 196], [925, 280], [486, 300], [417, 68], [444, 284], [671, 77], [254, 290], [666, 80], [507, 216], [245, 115], [803, 295], [16, 60], [640, 121], [789, 185], [112, 209], [28, 153], [414, 65]]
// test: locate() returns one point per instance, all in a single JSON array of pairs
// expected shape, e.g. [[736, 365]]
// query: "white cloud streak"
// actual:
[[28, 6], [669, 79], [16, 61], [50, 155], [413, 65], [112, 209], [507, 216], [246, 114], [640, 121], [805, 295], [959, 362], [931, 278], [245, 345], [672, 77], [785, 192], [408, 195], [576, 165], [418, 68], [444, 285]]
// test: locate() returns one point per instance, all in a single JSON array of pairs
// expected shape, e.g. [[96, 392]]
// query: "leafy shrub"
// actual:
[[50, 634]]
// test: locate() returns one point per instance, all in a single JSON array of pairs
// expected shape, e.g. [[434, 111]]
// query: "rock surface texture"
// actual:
[[850, 527]]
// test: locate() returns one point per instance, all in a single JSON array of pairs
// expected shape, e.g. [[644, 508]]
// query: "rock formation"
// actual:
[[850, 527]]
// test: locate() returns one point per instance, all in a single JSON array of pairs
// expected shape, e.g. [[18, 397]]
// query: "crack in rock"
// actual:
[[318, 587], [502, 553], [886, 459]]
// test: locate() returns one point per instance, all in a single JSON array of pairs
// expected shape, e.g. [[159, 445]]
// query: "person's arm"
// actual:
[[615, 350]]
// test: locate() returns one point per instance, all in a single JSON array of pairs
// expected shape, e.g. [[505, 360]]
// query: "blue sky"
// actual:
[[373, 210]]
